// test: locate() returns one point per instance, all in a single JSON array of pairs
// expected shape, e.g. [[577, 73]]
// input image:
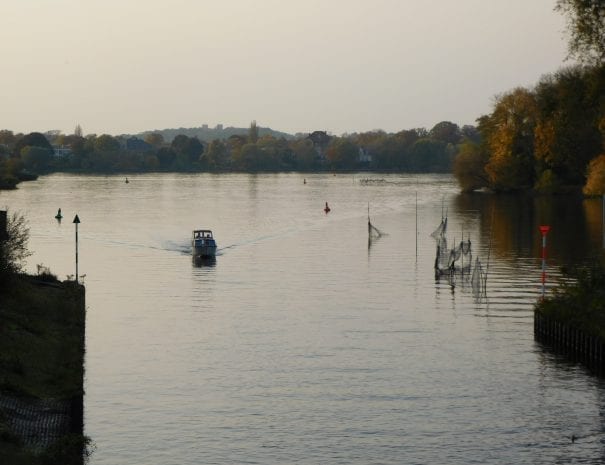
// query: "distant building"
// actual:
[[365, 157], [61, 151], [219, 127]]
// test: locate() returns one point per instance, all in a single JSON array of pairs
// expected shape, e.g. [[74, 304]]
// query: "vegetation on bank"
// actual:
[[42, 325], [41, 347], [414, 150], [580, 303], [549, 138]]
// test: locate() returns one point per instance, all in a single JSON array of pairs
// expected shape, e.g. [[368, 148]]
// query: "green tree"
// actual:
[[470, 133], [445, 131], [469, 167], [166, 157], [427, 155], [215, 157], [187, 149], [234, 146], [106, 143], [342, 153], [36, 158], [586, 25], [34, 139], [7, 137], [305, 154], [103, 161], [249, 158], [155, 139]]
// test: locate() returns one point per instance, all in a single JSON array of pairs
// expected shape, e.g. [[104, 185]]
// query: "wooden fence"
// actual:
[[571, 341]]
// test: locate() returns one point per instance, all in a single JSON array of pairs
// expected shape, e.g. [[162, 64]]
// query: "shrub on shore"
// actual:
[[581, 302]]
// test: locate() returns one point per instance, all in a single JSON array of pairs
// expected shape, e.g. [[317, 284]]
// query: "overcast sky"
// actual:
[[125, 66]]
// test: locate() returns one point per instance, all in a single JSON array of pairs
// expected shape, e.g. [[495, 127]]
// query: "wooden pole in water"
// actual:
[[603, 220], [416, 225], [462, 251], [544, 231]]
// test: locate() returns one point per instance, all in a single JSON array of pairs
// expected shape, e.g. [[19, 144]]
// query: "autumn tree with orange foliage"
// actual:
[[510, 139], [595, 184]]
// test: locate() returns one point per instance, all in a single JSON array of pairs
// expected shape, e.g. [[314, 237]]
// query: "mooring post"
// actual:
[[544, 231]]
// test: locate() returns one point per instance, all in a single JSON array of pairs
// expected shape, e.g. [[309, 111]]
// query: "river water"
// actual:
[[304, 342]]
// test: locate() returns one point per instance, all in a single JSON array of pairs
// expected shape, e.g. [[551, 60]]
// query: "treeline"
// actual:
[[207, 133], [414, 150], [549, 138]]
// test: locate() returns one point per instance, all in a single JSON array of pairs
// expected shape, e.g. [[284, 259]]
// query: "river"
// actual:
[[305, 342]]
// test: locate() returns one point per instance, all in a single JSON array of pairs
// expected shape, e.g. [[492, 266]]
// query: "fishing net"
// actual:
[[443, 254], [461, 256], [457, 259], [478, 279], [441, 229], [374, 232]]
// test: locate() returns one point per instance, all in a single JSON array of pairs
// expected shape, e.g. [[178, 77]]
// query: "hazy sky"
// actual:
[[124, 66]]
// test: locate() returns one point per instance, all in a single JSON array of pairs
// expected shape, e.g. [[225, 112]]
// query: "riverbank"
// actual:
[[42, 325]]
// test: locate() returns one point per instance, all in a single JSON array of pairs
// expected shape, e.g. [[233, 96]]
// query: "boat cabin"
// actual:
[[202, 234]]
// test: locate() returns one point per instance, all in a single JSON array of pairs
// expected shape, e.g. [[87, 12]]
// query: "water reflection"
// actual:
[[206, 262], [512, 223]]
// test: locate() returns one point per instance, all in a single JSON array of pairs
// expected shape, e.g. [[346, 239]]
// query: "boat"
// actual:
[[203, 244]]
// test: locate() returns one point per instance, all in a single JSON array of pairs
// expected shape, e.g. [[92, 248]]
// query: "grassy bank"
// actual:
[[580, 304], [41, 361]]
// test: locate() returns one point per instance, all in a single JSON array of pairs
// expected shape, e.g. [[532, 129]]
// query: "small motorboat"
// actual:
[[203, 244]]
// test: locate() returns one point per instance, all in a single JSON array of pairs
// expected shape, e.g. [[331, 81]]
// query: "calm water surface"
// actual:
[[304, 343]]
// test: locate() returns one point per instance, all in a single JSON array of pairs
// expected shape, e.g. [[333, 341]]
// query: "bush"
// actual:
[[13, 250], [44, 274], [580, 303]]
